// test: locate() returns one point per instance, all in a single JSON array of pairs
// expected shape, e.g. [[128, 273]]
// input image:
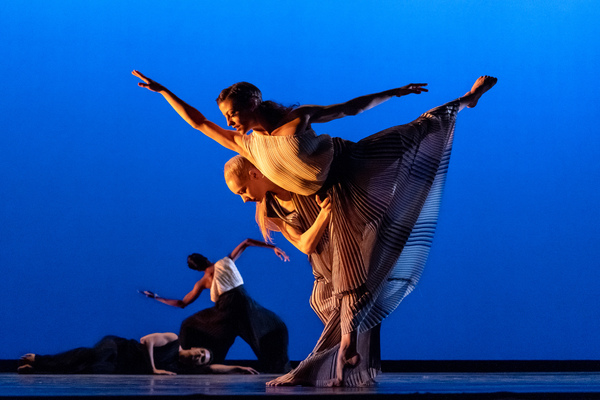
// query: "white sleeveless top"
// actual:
[[226, 277]]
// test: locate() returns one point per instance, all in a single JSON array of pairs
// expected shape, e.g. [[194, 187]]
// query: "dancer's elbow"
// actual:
[[308, 248]]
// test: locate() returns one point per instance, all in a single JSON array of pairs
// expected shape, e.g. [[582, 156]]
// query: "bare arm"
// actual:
[[228, 138], [231, 369], [308, 240], [239, 249], [157, 340], [317, 114], [187, 300]]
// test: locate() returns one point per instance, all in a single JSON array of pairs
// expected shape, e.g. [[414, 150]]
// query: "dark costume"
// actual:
[[114, 355], [235, 314]]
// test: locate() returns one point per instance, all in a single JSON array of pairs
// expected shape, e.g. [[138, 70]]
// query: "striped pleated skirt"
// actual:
[[385, 193]]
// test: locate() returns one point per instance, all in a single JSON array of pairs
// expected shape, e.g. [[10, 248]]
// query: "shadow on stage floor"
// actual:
[[569, 384]]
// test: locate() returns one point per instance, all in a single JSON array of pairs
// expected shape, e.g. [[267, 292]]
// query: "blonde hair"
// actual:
[[239, 167]]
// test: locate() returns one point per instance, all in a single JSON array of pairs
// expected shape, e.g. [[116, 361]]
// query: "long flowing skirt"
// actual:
[[385, 192]]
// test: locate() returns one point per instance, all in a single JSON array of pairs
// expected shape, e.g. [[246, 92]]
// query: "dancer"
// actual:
[[377, 189], [157, 353], [306, 225], [234, 314]]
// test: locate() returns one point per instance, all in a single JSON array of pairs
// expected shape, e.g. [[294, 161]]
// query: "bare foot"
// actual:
[[333, 383], [481, 85], [348, 358], [287, 380], [369, 383]]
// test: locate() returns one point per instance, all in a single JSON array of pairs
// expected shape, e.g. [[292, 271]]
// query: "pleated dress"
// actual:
[[385, 193]]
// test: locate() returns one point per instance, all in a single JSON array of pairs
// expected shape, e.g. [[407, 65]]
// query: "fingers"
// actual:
[[416, 88], [164, 372], [281, 254], [137, 73], [323, 203]]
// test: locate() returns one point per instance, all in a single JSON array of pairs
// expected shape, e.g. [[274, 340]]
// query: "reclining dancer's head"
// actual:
[[245, 180]]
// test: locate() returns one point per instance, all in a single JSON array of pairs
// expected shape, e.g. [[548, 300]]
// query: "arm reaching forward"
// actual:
[[252, 242], [189, 298], [225, 137], [317, 114], [231, 369]]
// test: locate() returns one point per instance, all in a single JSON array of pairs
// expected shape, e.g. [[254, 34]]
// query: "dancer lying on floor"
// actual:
[[157, 353], [234, 314]]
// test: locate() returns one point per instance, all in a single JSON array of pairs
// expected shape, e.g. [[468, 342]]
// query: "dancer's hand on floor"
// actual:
[[163, 372], [248, 370]]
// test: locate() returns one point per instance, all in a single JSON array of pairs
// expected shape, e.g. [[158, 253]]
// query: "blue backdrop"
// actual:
[[105, 190]]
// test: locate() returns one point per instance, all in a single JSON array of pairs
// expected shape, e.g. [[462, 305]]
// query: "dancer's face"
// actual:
[[252, 188], [241, 120], [198, 355]]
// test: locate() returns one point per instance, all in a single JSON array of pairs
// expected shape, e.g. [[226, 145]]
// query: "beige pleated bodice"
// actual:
[[298, 163]]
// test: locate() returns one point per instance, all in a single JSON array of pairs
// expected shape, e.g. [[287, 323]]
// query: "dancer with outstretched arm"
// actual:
[[157, 353], [377, 187], [235, 313]]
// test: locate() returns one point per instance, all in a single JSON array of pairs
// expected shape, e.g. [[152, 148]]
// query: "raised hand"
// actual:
[[281, 254], [415, 88], [148, 83], [148, 293]]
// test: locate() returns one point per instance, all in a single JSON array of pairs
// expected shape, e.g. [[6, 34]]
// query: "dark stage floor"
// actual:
[[443, 385]]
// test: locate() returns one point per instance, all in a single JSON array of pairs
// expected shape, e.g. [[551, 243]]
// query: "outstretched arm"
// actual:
[[187, 300], [316, 114], [157, 340], [308, 240], [231, 369], [225, 137], [252, 242]]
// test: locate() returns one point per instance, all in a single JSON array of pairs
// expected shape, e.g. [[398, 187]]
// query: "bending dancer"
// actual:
[[377, 188], [157, 353], [234, 314]]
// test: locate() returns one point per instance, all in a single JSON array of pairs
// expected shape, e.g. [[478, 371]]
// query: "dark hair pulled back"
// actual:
[[198, 262], [246, 96]]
